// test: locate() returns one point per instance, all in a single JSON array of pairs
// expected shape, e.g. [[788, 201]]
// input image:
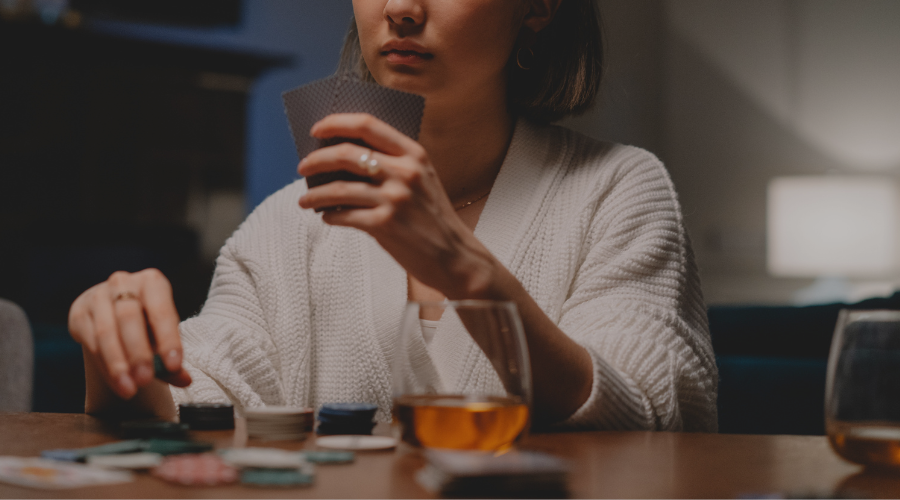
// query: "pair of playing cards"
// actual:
[[345, 93]]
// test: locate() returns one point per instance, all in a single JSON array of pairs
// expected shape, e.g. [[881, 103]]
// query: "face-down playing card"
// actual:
[[345, 93]]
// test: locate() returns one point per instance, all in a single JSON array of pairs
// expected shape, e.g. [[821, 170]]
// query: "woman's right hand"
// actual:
[[110, 321]]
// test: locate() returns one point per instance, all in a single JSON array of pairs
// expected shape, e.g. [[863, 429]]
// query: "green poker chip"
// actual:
[[176, 447], [159, 368], [329, 457], [275, 477]]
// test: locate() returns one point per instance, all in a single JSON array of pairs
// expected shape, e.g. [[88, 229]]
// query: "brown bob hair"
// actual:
[[563, 77]]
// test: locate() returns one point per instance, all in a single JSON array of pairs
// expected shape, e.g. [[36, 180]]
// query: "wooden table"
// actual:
[[604, 464]]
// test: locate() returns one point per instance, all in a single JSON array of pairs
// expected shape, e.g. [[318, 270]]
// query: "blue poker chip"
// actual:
[[62, 455], [346, 418], [348, 409]]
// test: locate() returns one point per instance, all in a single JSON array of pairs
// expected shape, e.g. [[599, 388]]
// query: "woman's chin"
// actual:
[[404, 80]]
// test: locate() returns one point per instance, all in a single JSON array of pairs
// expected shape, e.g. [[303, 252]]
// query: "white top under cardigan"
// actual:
[[301, 313]]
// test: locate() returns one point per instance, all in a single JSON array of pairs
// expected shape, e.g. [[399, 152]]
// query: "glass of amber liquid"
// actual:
[[862, 400], [461, 376]]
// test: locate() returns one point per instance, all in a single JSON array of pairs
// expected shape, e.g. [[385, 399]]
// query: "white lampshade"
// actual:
[[832, 226]]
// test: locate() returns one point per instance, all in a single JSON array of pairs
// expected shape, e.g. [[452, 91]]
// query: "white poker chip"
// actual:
[[279, 423], [135, 461], [356, 442], [263, 458]]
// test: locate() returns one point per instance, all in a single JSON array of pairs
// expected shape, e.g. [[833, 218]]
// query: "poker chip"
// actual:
[[356, 442], [207, 416], [276, 477], [175, 447], [346, 418], [358, 410], [159, 368], [277, 423], [329, 457], [196, 470], [134, 461], [145, 429], [81, 454], [263, 458]]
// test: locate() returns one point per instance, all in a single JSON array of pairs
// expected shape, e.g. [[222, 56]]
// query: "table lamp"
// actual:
[[832, 228]]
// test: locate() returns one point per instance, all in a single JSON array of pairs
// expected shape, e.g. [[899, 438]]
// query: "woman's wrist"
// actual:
[[473, 272]]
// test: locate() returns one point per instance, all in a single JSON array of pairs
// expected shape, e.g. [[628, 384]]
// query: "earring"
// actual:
[[530, 58]]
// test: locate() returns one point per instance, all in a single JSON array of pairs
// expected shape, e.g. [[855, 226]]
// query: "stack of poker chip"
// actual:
[[346, 418], [279, 423], [207, 416]]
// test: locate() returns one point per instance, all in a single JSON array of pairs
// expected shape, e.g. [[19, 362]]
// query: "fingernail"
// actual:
[[126, 385], [173, 360], [143, 374], [303, 160]]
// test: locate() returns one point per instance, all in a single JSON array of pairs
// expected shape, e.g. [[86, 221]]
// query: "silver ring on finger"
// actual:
[[368, 163], [127, 295]]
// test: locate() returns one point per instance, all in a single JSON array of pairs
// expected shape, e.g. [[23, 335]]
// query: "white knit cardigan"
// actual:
[[301, 313]]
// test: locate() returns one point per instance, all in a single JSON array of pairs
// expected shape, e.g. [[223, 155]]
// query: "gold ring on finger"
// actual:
[[125, 296]]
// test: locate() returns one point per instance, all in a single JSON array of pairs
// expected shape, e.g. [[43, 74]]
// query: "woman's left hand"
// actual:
[[405, 208]]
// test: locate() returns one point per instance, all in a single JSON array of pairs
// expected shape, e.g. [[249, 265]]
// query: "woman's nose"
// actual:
[[404, 12]]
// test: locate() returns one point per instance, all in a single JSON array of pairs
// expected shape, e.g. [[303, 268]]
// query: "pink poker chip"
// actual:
[[196, 470]]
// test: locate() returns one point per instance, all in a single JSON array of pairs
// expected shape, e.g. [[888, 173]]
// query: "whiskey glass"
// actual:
[[461, 376], [862, 395]]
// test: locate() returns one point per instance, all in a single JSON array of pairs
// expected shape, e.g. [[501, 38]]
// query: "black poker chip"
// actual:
[[207, 416], [147, 429]]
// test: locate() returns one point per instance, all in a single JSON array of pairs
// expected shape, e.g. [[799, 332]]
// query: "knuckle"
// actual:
[[398, 195], [419, 154], [411, 175], [383, 217], [118, 278], [345, 150], [117, 367], [153, 274], [367, 121]]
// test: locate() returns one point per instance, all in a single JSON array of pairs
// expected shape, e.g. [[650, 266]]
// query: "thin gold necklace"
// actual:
[[471, 202]]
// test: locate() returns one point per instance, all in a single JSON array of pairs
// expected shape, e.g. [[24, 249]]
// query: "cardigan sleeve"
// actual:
[[636, 306], [228, 347]]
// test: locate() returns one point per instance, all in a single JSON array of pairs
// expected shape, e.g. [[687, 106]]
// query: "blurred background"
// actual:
[[141, 133]]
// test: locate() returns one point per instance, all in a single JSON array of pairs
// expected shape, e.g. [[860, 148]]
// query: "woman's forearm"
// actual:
[[561, 369], [152, 400]]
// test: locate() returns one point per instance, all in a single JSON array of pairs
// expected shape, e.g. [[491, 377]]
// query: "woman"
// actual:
[[490, 203]]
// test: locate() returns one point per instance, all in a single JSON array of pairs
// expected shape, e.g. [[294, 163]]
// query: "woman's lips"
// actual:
[[406, 57]]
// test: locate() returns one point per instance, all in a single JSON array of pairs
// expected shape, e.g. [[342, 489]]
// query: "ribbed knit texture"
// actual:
[[301, 313]]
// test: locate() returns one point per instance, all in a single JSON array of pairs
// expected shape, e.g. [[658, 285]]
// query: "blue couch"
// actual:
[[772, 363]]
